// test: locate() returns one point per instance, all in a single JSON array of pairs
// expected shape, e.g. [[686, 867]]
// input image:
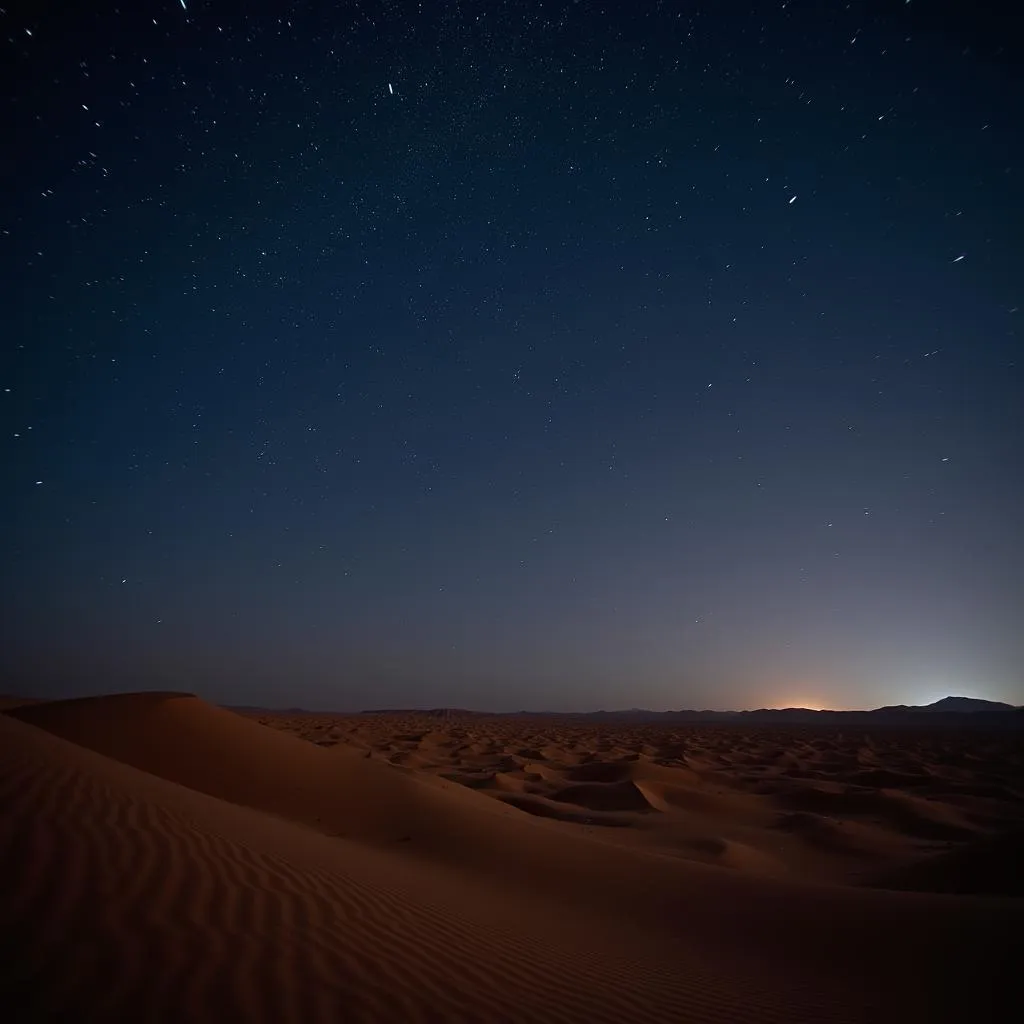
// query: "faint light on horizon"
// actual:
[[809, 703]]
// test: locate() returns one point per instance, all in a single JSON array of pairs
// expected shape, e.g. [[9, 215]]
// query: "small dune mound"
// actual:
[[830, 798], [853, 839], [923, 819], [672, 752], [608, 796], [498, 763], [543, 807], [882, 778], [472, 780], [409, 759], [409, 737], [438, 739], [728, 853], [671, 774], [555, 776], [912, 815], [510, 783], [987, 867], [803, 822], [599, 771], [553, 753], [664, 796]]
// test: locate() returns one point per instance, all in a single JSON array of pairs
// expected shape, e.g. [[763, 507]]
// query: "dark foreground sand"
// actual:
[[167, 860]]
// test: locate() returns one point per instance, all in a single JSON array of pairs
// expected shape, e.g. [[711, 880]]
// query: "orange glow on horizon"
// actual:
[[798, 701]]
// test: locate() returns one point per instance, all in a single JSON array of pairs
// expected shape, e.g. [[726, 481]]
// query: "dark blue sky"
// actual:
[[513, 355]]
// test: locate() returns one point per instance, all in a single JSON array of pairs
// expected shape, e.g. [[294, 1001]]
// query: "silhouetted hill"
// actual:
[[969, 705]]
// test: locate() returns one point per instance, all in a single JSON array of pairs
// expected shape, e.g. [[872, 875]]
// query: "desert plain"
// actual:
[[168, 860]]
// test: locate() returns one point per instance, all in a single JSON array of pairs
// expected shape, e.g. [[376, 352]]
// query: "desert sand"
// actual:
[[168, 860]]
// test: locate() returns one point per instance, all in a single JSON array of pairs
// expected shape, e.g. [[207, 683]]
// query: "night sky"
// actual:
[[505, 355]]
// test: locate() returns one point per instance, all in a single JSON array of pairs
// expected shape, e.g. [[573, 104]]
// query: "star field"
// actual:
[[513, 355]]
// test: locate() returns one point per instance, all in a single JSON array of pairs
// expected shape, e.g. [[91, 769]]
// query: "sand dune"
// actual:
[[172, 861], [824, 805]]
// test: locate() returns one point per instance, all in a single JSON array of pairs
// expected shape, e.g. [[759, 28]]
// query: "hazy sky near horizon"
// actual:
[[513, 355]]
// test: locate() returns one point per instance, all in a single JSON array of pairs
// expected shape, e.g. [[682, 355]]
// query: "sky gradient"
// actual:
[[513, 355]]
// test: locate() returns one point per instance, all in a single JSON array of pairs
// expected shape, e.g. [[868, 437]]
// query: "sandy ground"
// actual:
[[167, 860]]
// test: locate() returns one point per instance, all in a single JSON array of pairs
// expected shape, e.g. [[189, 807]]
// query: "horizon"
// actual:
[[615, 710], [431, 707], [618, 710], [541, 358]]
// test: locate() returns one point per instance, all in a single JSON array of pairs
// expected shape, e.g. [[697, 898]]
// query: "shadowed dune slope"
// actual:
[[434, 881], [991, 865]]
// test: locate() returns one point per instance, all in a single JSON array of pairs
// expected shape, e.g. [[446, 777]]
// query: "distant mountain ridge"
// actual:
[[948, 710], [953, 705]]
